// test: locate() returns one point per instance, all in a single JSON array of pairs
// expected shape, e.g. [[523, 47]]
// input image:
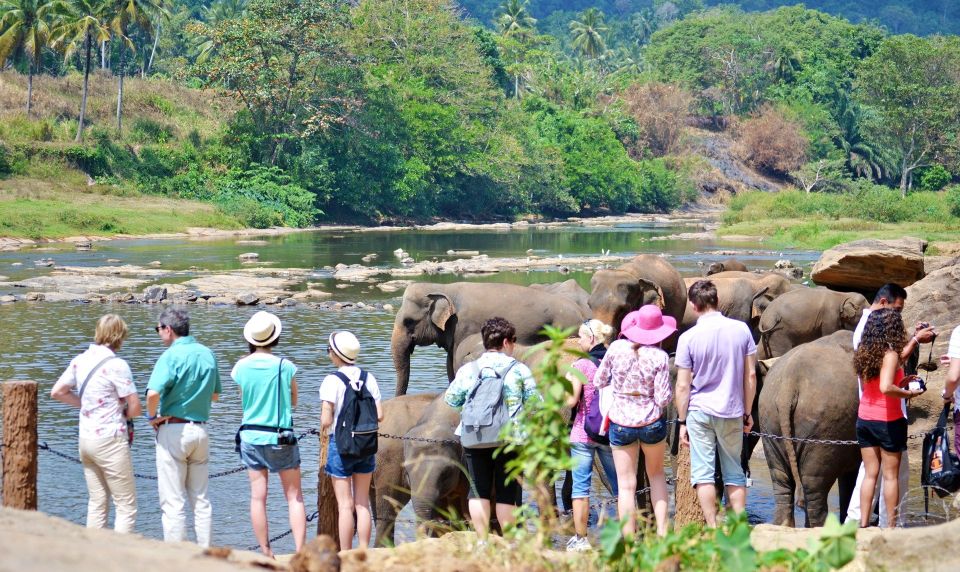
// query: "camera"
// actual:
[[286, 438], [915, 383]]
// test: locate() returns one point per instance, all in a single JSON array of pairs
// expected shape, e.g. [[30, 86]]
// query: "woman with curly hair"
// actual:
[[881, 425]]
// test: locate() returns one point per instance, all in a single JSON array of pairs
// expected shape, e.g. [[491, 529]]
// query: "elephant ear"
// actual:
[[760, 302], [848, 310], [660, 302], [442, 310]]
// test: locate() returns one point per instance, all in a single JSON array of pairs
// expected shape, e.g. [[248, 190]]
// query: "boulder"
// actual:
[[7, 299], [935, 299], [869, 264], [247, 299], [319, 555], [249, 256], [154, 294]]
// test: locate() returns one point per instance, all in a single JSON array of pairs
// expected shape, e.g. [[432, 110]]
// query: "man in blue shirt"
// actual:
[[184, 383]]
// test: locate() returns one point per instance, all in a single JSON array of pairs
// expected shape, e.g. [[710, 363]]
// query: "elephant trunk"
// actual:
[[401, 346]]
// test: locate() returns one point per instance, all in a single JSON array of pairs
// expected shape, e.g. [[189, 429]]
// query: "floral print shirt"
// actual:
[[101, 413], [518, 386], [641, 382]]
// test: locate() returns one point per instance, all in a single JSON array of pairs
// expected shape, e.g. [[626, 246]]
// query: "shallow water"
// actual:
[[40, 339]]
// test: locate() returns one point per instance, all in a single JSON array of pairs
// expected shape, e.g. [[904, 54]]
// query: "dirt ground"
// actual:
[[34, 541]]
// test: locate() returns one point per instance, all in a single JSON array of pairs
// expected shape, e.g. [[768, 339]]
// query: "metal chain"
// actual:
[[255, 547], [419, 439]]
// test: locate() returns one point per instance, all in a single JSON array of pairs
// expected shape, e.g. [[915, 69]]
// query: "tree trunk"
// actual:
[[29, 88], [103, 55], [20, 444], [86, 81], [904, 178], [687, 504], [153, 52], [327, 511], [120, 93]]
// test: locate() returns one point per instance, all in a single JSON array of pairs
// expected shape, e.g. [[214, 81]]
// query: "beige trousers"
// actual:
[[108, 471], [183, 451]]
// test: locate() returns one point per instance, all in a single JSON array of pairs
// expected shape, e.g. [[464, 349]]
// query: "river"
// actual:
[[40, 339]]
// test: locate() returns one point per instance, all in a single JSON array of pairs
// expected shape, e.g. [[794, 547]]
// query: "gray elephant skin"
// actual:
[[571, 289], [645, 279], [724, 265], [741, 296], [389, 488], [445, 314], [804, 315], [811, 393]]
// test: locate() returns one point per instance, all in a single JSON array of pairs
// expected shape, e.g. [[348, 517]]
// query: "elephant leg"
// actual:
[[815, 491], [846, 483], [783, 483], [388, 501]]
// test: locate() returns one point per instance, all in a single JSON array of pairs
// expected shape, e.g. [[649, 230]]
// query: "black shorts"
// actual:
[[891, 436], [488, 473]]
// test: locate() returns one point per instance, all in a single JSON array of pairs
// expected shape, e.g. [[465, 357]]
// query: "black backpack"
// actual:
[[356, 432], [941, 467]]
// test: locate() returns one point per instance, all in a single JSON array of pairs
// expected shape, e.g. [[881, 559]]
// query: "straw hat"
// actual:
[[647, 325], [262, 329], [345, 345]]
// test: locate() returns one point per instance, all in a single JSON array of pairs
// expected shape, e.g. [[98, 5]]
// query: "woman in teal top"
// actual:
[[269, 394]]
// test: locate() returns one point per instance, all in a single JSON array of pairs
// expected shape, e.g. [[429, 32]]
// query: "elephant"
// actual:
[[742, 296], [445, 314], [570, 289], [804, 315], [811, 393], [433, 464], [389, 487], [645, 279], [724, 265]]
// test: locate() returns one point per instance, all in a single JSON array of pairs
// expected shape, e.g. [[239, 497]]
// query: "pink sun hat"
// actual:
[[647, 325]]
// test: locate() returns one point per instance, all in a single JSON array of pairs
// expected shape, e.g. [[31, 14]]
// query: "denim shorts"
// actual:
[[273, 458], [651, 434], [710, 437], [582, 454], [346, 468]]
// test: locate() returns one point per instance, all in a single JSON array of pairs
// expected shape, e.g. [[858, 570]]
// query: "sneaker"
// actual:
[[579, 544]]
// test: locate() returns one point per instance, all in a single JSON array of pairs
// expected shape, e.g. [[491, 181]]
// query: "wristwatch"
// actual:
[[681, 421]]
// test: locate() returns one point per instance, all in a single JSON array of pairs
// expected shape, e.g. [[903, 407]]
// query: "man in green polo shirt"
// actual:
[[184, 383]]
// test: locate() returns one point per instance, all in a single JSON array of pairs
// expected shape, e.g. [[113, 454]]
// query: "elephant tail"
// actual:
[[785, 409], [765, 337]]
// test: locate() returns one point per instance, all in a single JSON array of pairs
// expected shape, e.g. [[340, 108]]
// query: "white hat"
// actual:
[[262, 329], [345, 345]]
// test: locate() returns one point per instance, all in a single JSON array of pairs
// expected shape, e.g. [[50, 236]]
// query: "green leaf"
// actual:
[[837, 544], [733, 545], [612, 543]]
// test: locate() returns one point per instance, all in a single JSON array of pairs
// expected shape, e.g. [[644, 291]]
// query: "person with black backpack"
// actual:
[[491, 392], [586, 435], [351, 415]]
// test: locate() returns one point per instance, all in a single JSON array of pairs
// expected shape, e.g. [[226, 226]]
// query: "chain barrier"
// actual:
[[419, 439], [255, 547]]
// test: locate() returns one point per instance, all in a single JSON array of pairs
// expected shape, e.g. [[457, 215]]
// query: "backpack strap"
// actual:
[[83, 386], [346, 380]]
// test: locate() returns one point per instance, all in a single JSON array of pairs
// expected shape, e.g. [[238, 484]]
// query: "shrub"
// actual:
[[150, 131], [273, 191], [773, 143], [6, 165], [953, 200], [660, 111], [934, 178]]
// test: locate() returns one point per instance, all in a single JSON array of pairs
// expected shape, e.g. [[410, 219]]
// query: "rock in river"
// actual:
[[154, 294], [870, 263], [249, 257], [247, 299]]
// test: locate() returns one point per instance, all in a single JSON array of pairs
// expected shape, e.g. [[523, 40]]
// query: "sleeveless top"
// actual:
[[875, 406]]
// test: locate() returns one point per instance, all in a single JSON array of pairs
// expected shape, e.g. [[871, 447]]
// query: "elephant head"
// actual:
[[614, 293], [851, 309], [426, 316]]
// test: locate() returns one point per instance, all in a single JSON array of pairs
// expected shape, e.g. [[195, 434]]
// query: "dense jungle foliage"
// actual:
[[408, 110]]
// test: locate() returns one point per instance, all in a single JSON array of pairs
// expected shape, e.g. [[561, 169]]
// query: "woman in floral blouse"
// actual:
[[640, 374]]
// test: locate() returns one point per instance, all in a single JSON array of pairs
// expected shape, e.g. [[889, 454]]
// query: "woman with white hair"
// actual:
[[266, 441], [107, 399]]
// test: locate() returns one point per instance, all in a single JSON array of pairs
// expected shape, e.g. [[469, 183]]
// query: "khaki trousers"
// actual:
[[183, 452], [108, 471]]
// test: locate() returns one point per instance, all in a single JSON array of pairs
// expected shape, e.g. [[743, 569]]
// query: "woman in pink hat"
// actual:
[[639, 371]]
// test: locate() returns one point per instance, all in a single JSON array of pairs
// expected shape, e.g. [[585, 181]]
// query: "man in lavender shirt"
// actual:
[[716, 384]]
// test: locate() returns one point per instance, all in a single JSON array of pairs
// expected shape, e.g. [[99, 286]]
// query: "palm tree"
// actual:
[[644, 24], [24, 28], [123, 16], [80, 23], [865, 158], [514, 18], [588, 33], [212, 15]]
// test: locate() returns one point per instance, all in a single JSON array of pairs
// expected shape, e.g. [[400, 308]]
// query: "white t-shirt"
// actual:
[[953, 352], [101, 415], [332, 390]]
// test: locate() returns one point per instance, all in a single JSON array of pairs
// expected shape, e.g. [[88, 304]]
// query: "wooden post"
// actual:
[[20, 444], [327, 513], [687, 504]]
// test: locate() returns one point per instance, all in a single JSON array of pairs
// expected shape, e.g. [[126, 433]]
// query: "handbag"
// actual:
[[941, 467], [83, 387]]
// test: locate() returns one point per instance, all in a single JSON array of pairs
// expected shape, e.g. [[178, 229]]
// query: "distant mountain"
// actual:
[[922, 17]]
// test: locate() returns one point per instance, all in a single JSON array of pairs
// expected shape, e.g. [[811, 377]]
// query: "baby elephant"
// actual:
[[804, 315], [725, 265]]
